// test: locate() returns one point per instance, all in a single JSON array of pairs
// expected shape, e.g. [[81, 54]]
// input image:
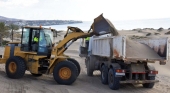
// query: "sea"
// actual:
[[122, 24]]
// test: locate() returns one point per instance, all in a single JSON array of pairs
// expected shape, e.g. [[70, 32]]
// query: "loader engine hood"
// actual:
[[102, 26]]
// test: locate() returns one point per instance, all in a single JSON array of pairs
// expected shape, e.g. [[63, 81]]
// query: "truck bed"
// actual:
[[150, 50], [136, 50]]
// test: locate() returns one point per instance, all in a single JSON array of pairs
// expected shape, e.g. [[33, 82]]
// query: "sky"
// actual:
[[85, 10]]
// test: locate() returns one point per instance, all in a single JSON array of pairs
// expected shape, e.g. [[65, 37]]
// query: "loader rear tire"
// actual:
[[114, 82], [76, 63], [149, 85], [65, 73], [15, 67], [104, 74]]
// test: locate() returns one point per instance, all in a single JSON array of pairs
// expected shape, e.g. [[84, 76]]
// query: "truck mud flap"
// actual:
[[139, 81]]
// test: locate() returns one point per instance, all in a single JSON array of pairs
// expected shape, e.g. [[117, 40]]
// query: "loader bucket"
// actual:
[[103, 26]]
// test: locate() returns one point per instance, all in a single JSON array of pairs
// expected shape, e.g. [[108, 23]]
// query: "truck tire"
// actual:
[[76, 63], [104, 74], [36, 75], [15, 67], [89, 69], [65, 72], [114, 82], [149, 85]]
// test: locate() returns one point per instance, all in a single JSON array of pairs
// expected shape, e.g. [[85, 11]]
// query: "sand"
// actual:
[[84, 83]]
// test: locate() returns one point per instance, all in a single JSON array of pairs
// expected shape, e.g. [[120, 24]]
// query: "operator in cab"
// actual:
[[87, 41], [36, 37]]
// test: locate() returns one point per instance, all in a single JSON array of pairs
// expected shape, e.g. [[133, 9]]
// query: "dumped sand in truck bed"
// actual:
[[140, 51]]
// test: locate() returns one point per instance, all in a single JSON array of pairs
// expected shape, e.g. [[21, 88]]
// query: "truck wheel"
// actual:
[[15, 67], [104, 74], [89, 70], [114, 82], [76, 63], [149, 85], [65, 72], [36, 75]]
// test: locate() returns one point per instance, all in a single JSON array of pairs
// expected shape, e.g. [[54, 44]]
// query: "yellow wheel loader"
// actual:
[[37, 53]]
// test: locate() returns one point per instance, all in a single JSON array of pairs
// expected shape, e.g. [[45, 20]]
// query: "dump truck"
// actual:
[[122, 60]]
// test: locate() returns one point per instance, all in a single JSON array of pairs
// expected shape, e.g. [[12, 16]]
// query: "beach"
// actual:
[[84, 83]]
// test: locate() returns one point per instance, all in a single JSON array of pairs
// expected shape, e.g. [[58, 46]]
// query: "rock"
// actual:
[[148, 29], [157, 34], [136, 29], [167, 33], [140, 31], [148, 34], [152, 29], [160, 29]]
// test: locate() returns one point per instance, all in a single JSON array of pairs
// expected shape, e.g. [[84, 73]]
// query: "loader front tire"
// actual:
[[15, 67], [65, 73], [76, 63]]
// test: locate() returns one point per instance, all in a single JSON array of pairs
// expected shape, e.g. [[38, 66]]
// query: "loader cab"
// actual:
[[44, 44]]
